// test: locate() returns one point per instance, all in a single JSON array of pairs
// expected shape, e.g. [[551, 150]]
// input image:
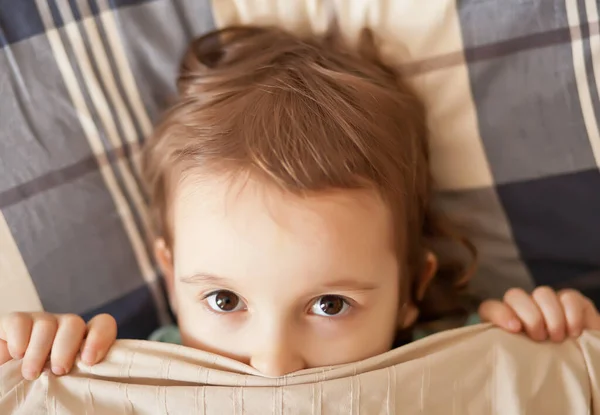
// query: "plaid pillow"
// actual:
[[512, 88]]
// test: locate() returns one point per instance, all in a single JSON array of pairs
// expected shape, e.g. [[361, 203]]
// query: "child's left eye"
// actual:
[[330, 306], [225, 302]]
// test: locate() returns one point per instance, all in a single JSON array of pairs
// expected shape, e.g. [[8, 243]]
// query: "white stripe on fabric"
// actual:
[[108, 79], [92, 134], [581, 78], [135, 101], [102, 107], [124, 70], [17, 291], [313, 16], [594, 20]]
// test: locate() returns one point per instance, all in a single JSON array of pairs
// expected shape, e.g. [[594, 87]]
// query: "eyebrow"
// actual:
[[351, 285], [203, 278]]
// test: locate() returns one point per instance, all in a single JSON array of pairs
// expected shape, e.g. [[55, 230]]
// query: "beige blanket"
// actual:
[[477, 370]]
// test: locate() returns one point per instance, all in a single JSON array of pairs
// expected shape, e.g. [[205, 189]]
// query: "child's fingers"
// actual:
[[552, 311], [101, 334], [40, 343], [71, 330], [16, 328], [573, 306], [528, 312], [500, 314]]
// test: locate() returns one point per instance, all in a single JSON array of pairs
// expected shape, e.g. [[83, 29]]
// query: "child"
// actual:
[[290, 191]]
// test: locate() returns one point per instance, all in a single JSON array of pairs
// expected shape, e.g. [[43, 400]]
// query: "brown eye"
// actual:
[[329, 306], [224, 302]]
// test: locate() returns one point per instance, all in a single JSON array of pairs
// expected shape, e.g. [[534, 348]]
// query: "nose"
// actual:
[[276, 364], [272, 363], [277, 355]]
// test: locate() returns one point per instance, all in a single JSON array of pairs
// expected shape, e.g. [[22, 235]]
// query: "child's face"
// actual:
[[283, 282]]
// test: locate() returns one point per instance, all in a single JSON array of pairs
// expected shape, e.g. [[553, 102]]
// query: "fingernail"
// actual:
[[15, 355], [30, 374], [514, 325], [89, 356], [59, 371]]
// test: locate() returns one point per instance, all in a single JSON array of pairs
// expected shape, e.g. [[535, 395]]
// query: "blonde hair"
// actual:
[[310, 115]]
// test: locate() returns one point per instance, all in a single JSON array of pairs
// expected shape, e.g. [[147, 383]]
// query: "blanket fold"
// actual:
[[475, 370]]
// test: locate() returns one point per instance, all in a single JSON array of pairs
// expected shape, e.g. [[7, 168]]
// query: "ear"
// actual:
[[430, 268], [408, 313], [164, 257]]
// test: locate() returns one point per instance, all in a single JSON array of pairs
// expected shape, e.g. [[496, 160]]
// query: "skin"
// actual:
[[285, 258]]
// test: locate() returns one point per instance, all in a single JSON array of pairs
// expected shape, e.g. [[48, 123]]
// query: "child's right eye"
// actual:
[[225, 302], [330, 306]]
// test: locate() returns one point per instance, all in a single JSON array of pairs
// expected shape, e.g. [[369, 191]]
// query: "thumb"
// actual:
[[591, 317]]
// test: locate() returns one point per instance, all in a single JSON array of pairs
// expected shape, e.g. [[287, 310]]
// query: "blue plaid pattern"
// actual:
[[515, 136]]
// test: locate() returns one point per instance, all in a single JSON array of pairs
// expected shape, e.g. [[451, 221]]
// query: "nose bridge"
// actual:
[[276, 348]]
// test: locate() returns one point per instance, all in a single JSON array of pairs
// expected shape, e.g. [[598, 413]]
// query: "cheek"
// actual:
[[203, 330], [369, 333]]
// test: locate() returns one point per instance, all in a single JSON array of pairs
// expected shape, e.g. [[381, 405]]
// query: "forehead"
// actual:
[[246, 227]]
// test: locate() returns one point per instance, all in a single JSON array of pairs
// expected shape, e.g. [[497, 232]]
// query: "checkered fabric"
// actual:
[[512, 88]]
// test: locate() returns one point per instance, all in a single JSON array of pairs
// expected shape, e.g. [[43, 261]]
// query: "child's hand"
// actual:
[[34, 337], [545, 313]]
